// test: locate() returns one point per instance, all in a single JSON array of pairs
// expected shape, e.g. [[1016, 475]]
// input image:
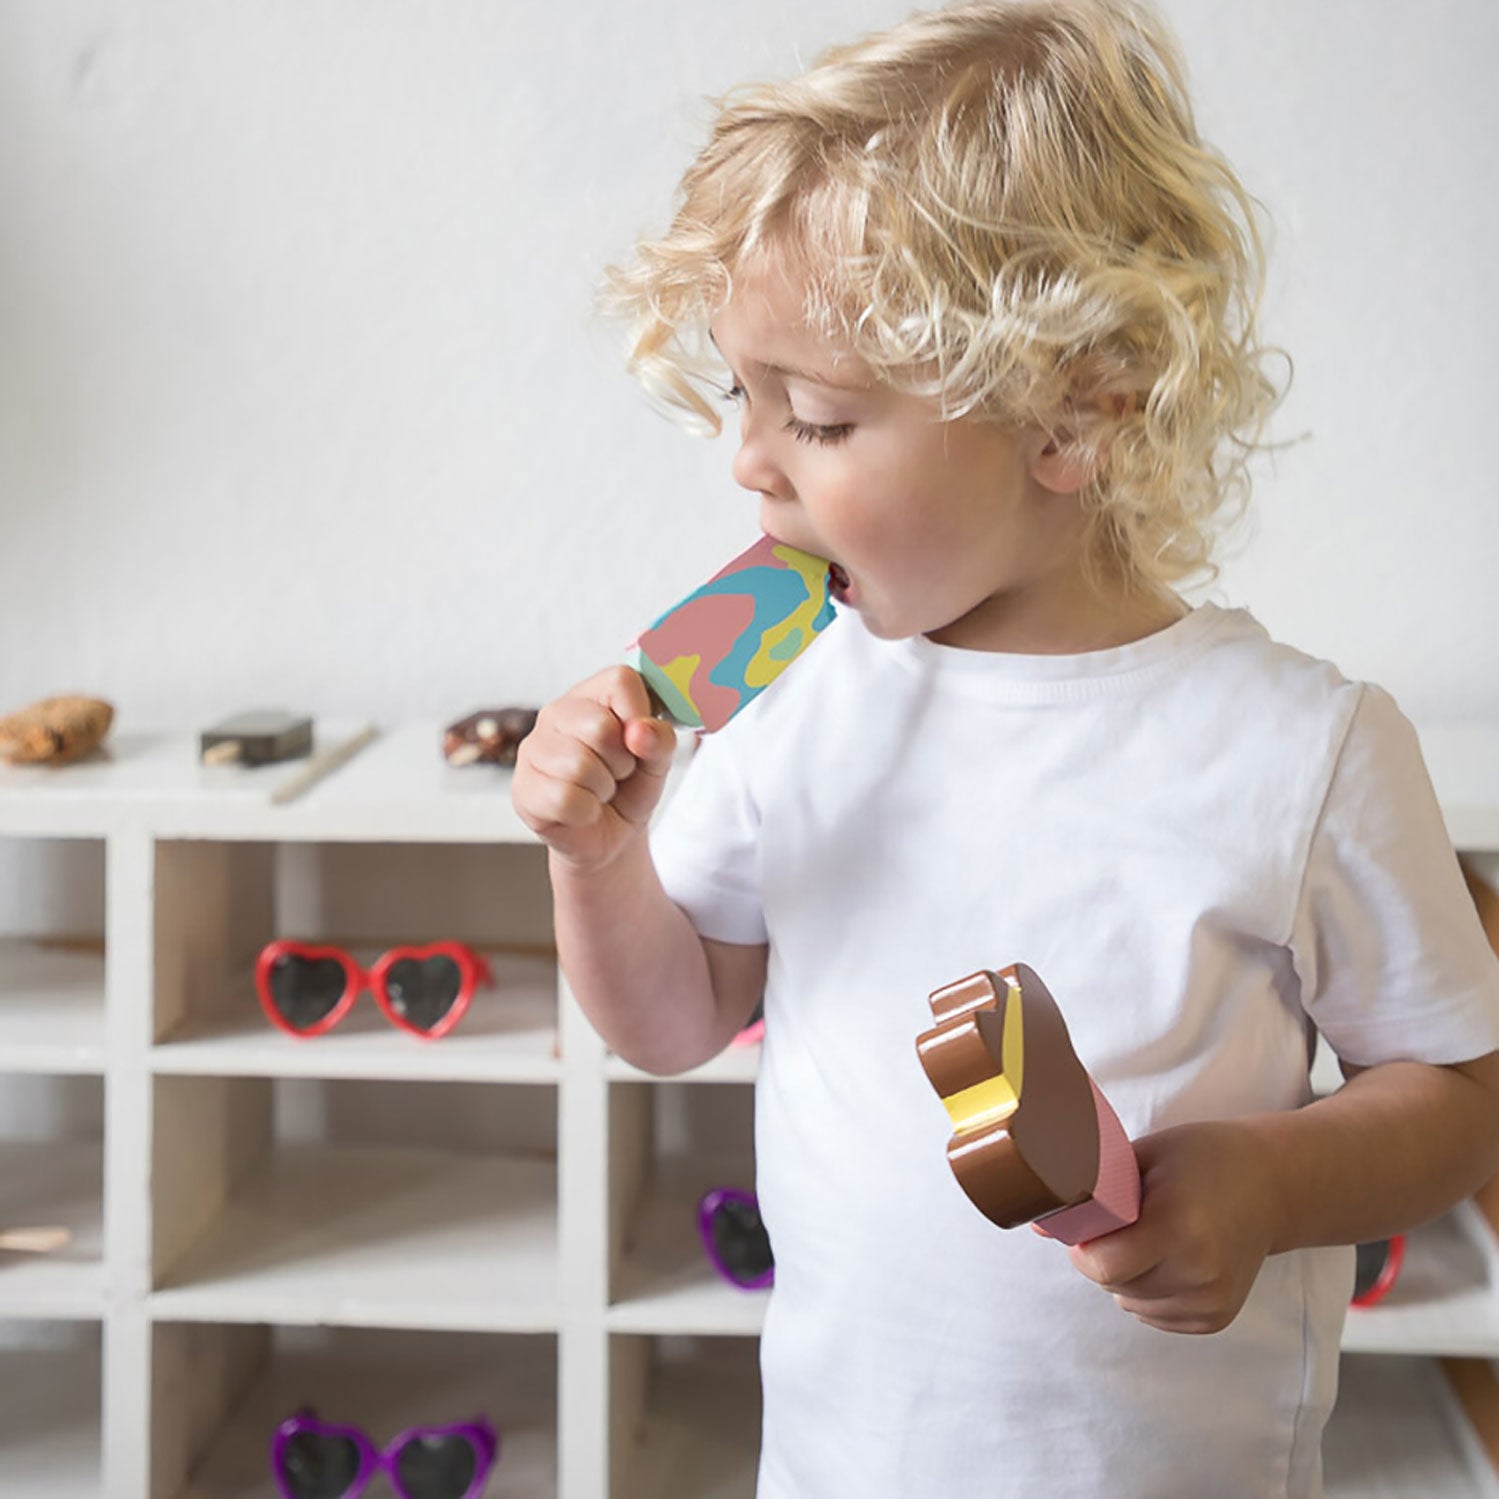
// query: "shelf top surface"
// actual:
[[400, 787], [397, 786]]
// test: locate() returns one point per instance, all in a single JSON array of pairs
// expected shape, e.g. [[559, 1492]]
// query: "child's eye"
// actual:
[[735, 393], [823, 436]]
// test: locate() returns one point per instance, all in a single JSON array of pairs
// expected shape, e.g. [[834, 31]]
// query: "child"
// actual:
[[987, 308]]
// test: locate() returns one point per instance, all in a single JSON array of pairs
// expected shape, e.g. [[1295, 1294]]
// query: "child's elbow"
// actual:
[[1483, 1074]]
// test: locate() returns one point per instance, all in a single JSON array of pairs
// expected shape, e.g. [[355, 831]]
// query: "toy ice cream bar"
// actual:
[[727, 641], [1034, 1140]]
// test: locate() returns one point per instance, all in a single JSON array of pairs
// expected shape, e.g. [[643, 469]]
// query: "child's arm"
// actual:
[[587, 779], [1397, 1145], [661, 996]]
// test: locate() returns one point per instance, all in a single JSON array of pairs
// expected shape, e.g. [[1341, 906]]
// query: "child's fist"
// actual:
[[1207, 1211], [589, 775]]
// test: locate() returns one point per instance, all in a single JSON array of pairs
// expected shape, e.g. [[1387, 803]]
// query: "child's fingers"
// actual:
[[654, 745], [653, 742], [620, 689], [1116, 1259], [595, 747], [555, 808], [578, 757]]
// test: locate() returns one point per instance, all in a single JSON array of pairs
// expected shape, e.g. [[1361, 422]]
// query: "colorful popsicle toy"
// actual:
[[1034, 1139], [727, 641]]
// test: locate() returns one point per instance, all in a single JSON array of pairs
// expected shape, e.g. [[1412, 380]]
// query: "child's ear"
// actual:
[[1057, 463]]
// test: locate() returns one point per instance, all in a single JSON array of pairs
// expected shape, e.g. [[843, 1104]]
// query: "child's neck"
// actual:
[[1063, 619]]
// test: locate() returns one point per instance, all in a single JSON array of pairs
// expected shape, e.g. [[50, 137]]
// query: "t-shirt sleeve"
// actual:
[[1393, 961], [705, 843]]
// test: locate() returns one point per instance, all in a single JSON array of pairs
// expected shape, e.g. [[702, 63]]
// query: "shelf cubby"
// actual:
[[671, 1142], [52, 1377], [1398, 1432], [219, 1391], [379, 1204], [225, 900], [52, 1175], [52, 899], [685, 1416]]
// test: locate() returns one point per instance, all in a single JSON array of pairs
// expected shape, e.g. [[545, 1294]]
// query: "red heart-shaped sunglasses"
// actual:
[[306, 989]]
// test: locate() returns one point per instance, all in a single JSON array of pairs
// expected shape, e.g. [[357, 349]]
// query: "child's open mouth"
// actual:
[[839, 584]]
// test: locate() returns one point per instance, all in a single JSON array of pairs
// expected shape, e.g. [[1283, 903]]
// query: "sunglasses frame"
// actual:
[[1389, 1273], [473, 969], [373, 1460], [708, 1206]]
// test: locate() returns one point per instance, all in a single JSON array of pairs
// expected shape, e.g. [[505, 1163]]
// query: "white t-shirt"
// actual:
[[1198, 840]]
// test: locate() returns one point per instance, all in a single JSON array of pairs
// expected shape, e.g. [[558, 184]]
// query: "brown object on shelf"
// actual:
[[260, 737], [55, 730], [489, 737], [1477, 1390]]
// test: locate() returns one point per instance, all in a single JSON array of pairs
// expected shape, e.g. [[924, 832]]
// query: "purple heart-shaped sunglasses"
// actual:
[[734, 1238], [313, 1459]]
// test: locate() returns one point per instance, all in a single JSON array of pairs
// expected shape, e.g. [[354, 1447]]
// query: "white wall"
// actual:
[[302, 400]]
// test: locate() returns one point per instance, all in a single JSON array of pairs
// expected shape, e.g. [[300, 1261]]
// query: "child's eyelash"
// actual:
[[824, 436]]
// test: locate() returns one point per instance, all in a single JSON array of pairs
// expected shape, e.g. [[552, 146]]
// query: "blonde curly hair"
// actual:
[[1005, 207]]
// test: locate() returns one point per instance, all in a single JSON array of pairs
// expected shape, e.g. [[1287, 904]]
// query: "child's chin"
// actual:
[[883, 629]]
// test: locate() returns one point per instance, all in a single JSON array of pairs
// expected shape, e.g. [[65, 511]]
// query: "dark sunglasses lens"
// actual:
[[436, 1467], [423, 990], [740, 1240], [1371, 1263], [305, 990], [319, 1467]]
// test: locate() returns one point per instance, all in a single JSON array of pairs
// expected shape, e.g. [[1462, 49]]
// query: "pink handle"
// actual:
[[1115, 1202]]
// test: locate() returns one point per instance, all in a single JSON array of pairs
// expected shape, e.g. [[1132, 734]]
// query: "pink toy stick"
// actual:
[[1116, 1195]]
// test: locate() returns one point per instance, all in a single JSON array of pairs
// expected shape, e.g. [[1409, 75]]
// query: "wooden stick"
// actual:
[[225, 752], [324, 763], [34, 1240]]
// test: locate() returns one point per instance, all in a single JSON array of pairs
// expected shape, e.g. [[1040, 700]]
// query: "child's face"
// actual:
[[961, 530]]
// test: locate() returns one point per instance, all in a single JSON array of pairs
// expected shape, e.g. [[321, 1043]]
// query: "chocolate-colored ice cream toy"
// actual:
[[1034, 1140]]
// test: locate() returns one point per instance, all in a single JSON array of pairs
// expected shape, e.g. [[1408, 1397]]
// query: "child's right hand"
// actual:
[[589, 775]]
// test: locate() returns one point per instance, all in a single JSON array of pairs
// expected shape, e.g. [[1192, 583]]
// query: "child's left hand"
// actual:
[[1207, 1206]]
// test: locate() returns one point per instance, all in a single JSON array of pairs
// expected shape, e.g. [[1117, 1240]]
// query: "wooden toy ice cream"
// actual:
[[1034, 1140], [727, 641]]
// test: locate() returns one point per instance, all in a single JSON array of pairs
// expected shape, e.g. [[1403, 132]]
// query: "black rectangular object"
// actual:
[[261, 737]]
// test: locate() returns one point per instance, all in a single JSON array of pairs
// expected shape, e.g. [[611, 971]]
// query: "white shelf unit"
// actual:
[[501, 1222]]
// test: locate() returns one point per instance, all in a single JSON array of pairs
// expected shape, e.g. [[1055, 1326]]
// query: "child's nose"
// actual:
[[754, 470]]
